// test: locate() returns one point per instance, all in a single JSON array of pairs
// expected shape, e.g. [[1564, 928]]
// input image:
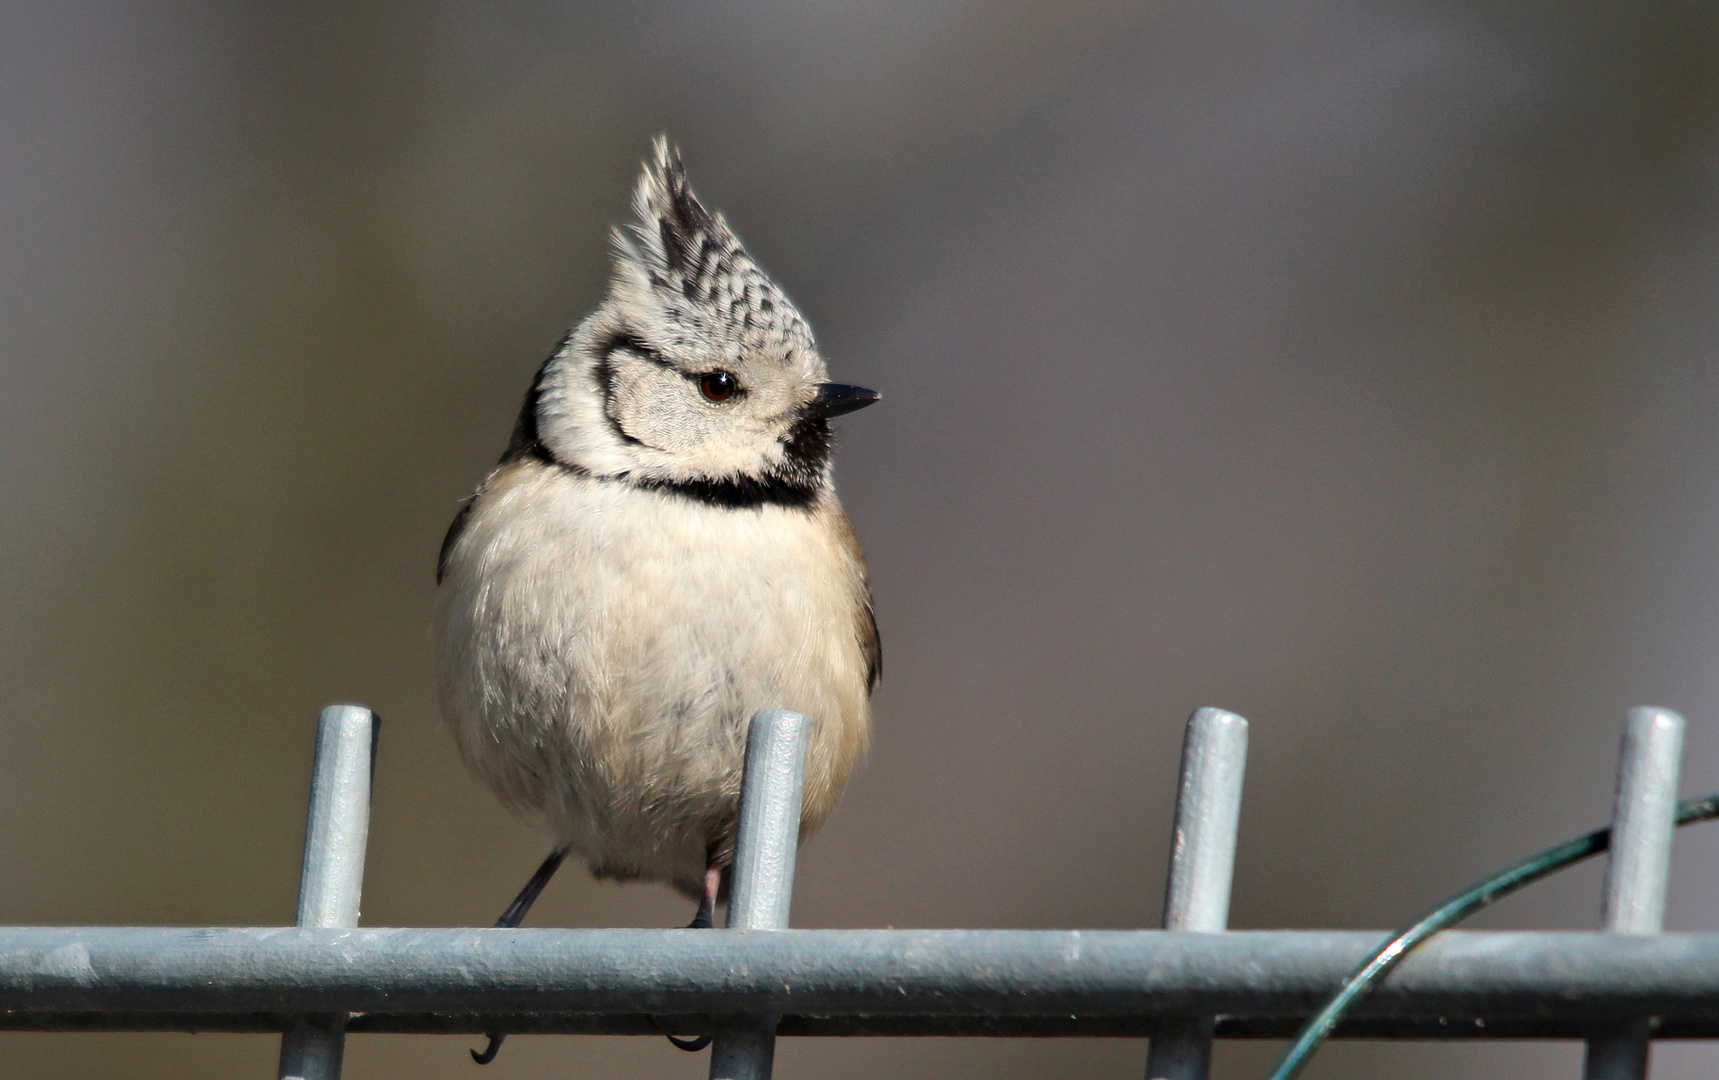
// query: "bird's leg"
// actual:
[[513, 916], [704, 920], [706, 917], [516, 911]]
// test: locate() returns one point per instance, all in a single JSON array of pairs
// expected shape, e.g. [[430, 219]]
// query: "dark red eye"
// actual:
[[717, 386]]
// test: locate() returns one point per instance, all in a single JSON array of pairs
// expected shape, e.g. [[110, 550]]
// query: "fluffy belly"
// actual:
[[601, 649]]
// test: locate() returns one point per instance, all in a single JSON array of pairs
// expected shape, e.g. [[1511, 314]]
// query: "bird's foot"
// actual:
[[705, 919], [691, 1046], [489, 1052], [513, 916]]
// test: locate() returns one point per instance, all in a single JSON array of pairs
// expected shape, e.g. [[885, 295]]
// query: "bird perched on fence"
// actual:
[[658, 554]]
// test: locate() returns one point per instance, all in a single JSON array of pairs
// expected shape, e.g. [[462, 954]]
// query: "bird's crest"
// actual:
[[688, 256]]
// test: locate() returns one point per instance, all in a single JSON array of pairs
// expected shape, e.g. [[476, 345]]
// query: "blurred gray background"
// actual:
[[1347, 365]]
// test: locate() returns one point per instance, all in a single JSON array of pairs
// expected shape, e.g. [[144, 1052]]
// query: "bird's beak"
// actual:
[[834, 399]]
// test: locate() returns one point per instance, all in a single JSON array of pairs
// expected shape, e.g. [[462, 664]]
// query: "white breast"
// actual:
[[601, 647]]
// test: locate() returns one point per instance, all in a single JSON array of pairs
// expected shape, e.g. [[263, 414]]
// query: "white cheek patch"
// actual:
[[657, 406]]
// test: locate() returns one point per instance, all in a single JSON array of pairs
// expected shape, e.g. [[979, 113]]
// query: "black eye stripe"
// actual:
[[631, 342]]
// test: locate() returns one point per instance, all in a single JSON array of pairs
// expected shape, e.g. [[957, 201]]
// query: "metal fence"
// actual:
[[1181, 986]]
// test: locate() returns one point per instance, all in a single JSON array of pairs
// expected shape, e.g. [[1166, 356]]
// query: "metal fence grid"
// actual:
[[1181, 986]]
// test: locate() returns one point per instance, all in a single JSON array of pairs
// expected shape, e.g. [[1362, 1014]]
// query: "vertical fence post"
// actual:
[[1202, 864], [333, 875], [762, 883], [1644, 813]]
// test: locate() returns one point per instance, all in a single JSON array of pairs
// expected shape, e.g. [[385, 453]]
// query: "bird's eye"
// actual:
[[717, 386]]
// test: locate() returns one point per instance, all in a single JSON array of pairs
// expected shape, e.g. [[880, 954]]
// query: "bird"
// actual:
[[658, 554]]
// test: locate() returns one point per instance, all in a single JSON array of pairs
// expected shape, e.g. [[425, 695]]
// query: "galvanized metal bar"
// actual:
[[1491, 1026], [834, 973], [1208, 810], [1638, 866], [1202, 866], [761, 888], [768, 838], [1643, 820], [332, 879]]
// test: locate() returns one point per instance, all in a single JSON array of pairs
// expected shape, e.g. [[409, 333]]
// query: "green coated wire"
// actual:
[[1448, 913]]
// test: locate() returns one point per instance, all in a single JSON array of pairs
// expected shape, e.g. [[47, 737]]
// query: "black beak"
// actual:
[[834, 399]]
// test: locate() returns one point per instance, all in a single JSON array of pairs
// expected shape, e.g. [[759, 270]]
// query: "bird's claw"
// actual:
[[490, 1051]]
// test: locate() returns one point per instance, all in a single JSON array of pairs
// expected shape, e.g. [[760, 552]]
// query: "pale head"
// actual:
[[695, 374]]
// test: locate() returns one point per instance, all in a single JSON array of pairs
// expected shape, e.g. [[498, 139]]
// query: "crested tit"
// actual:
[[658, 554]]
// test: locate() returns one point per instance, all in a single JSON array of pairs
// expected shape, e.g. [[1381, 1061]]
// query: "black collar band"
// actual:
[[741, 492]]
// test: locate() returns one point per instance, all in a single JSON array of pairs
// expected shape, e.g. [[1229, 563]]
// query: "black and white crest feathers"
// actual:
[[693, 262], [674, 227]]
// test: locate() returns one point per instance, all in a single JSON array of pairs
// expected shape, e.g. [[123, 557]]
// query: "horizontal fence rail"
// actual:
[[1618, 990], [1074, 982]]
